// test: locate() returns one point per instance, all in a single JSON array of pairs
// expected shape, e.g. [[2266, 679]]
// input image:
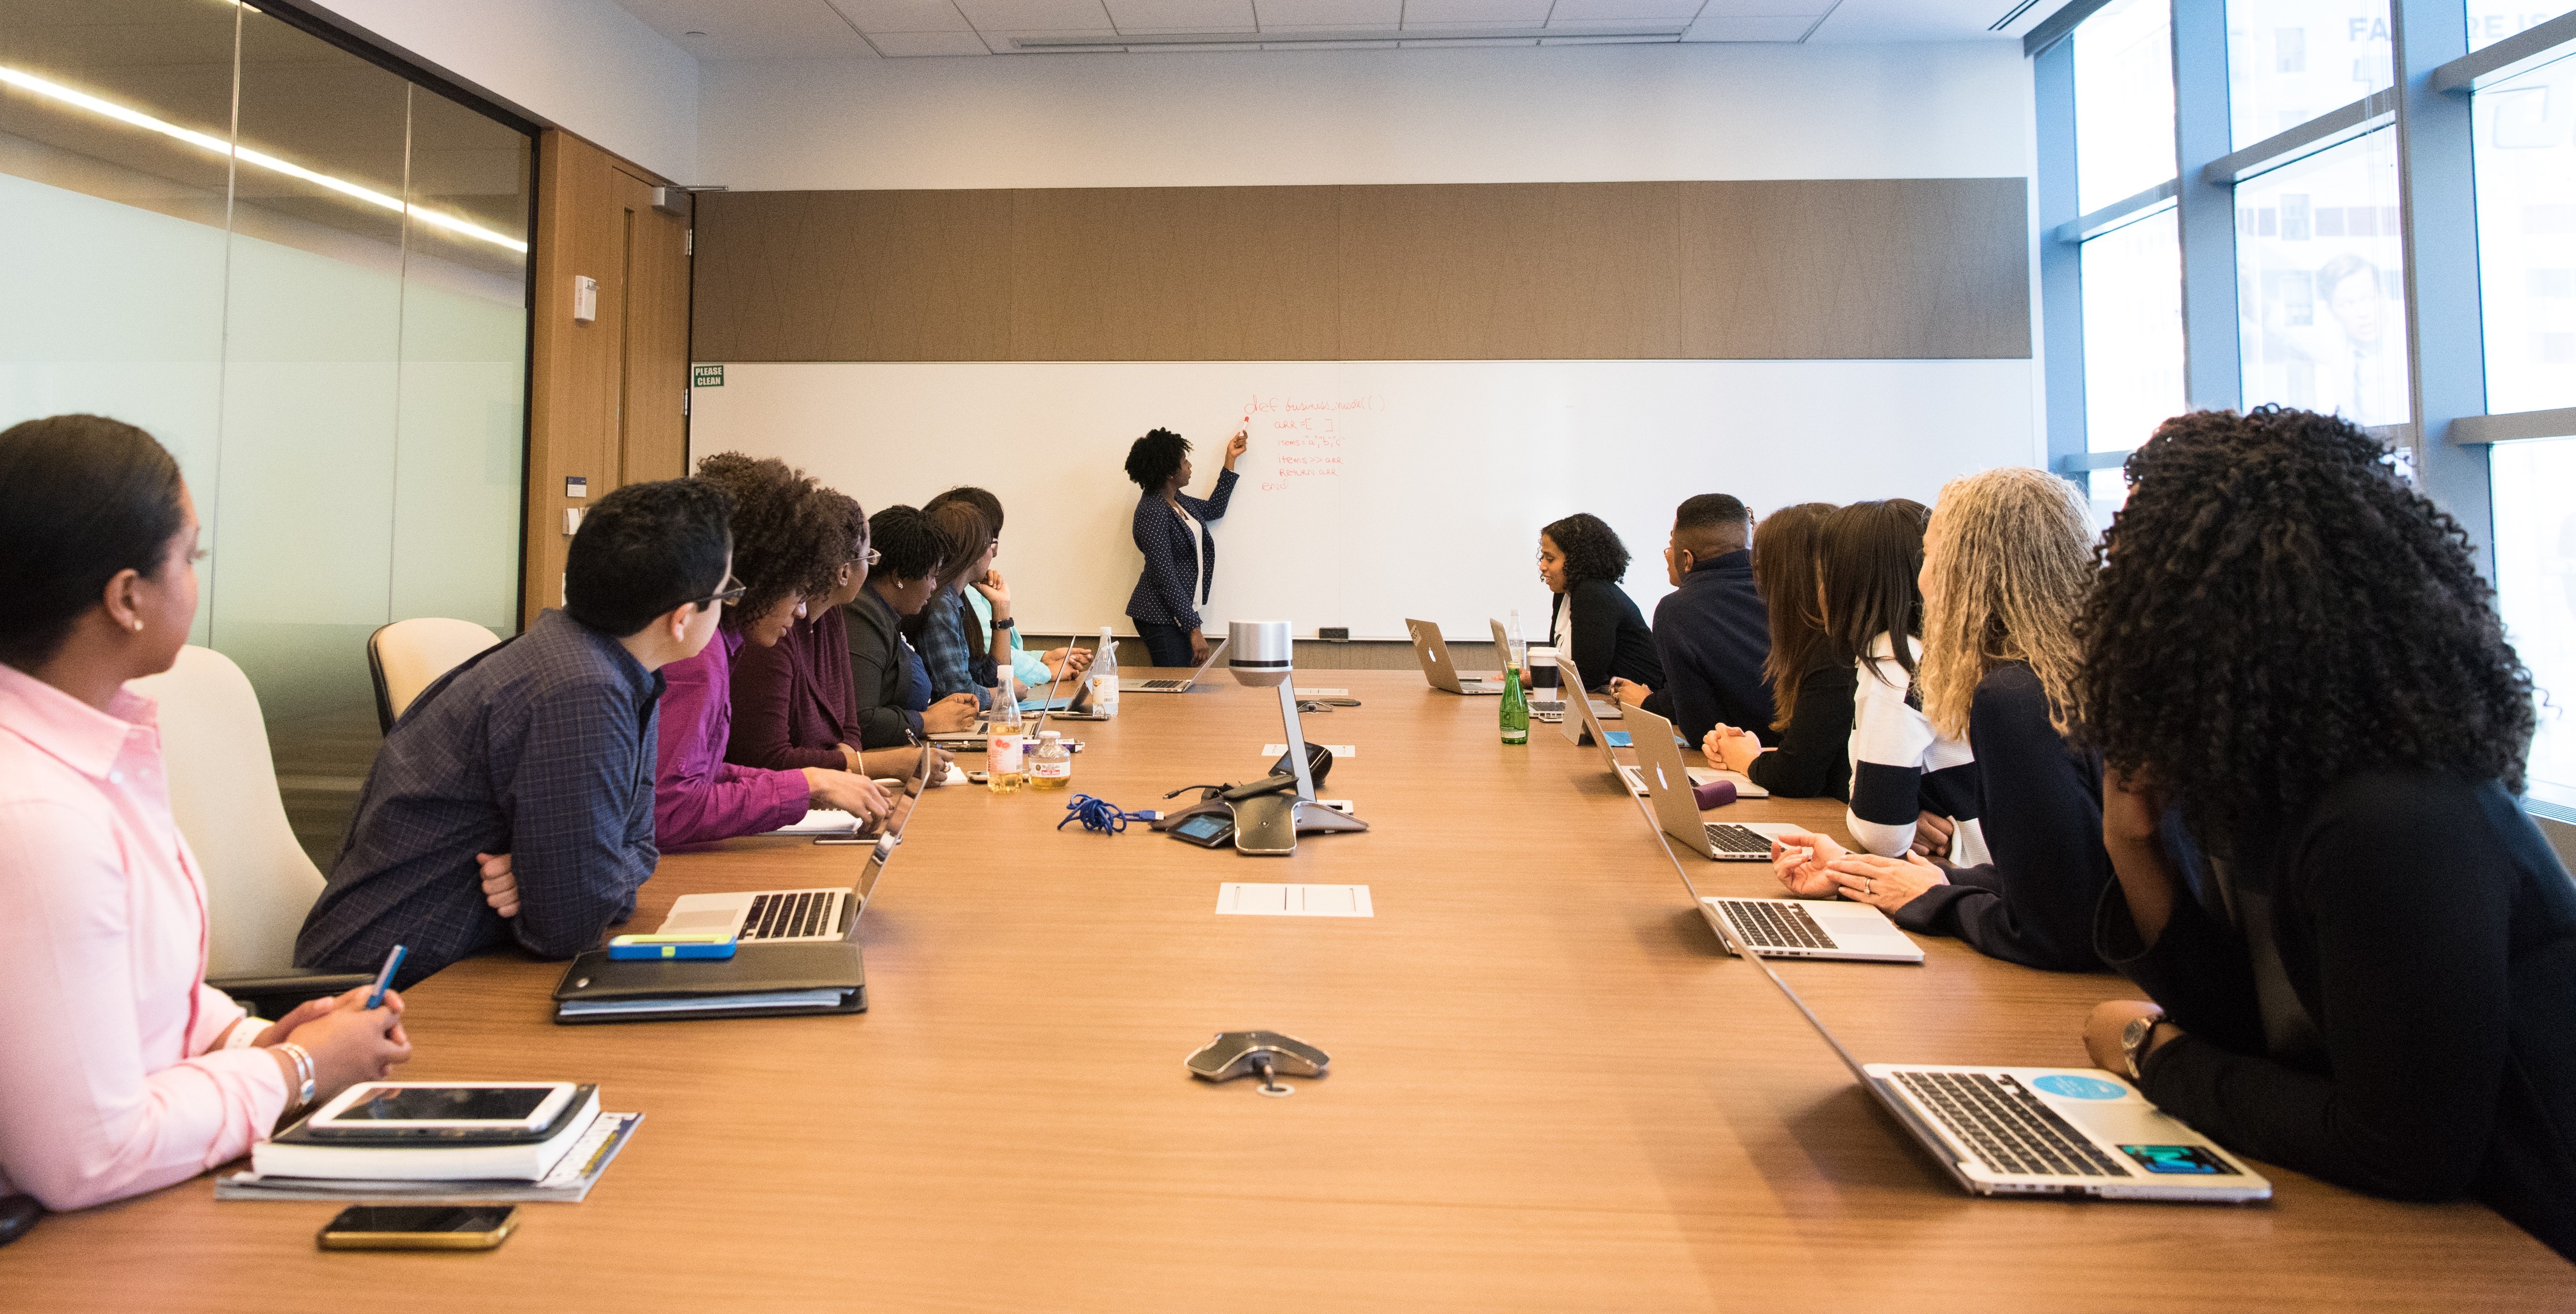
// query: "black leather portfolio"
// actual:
[[760, 980]]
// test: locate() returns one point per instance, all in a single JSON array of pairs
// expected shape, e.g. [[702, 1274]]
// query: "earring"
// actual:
[[138, 627]]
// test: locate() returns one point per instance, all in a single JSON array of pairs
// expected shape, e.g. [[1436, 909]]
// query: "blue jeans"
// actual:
[[1166, 644]]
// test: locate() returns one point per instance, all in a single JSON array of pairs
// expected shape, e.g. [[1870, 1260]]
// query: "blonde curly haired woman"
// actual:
[[2007, 563]]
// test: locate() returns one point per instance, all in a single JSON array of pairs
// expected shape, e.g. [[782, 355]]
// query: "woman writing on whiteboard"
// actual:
[[1180, 555]]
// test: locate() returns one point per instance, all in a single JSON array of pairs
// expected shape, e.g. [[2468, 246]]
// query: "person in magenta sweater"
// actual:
[[788, 545], [793, 705]]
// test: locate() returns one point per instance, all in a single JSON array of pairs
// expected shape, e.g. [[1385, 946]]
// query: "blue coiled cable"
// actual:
[[1099, 814]]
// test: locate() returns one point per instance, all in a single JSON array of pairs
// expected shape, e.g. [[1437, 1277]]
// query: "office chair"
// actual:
[[409, 656], [223, 794]]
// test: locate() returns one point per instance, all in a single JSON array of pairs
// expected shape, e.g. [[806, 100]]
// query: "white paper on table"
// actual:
[[1255, 899], [1338, 750]]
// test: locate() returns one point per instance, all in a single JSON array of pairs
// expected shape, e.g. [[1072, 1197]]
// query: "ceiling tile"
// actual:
[[906, 45], [1030, 17], [1723, 28], [874, 16], [749, 29], [1808, 9], [1489, 13], [1328, 13], [1612, 11], [1181, 15]]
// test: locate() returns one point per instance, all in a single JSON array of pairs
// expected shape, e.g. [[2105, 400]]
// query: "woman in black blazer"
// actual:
[[1581, 559], [882, 681], [2362, 952], [1171, 529]]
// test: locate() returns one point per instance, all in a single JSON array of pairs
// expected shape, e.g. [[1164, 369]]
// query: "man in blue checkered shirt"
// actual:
[[529, 769]]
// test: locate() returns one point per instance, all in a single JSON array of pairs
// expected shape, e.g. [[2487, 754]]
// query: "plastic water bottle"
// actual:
[[1052, 766], [1104, 675], [1004, 771], [1515, 709]]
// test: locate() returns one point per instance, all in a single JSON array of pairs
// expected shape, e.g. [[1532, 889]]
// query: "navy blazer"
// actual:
[[1712, 635], [1169, 589]]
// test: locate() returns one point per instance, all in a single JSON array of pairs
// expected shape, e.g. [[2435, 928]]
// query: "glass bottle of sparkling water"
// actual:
[[1004, 771], [1515, 709]]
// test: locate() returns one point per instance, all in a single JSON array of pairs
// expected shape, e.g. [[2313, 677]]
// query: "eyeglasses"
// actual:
[[730, 594], [871, 558]]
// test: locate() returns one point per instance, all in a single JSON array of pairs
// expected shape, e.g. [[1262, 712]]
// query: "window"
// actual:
[[2526, 169], [2132, 340], [2491, 21], [2124, 102], [329, 331], [2319, 259], [2535, 539], [2289, 61]]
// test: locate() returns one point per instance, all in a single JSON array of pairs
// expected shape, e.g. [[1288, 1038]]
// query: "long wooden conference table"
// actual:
[[1550, 1089]]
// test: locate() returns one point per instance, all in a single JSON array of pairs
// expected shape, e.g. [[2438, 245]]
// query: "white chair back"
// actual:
[[223, 791], [409, 656]]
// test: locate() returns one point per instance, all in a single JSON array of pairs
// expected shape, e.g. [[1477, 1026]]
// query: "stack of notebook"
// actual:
[[560, 1164]]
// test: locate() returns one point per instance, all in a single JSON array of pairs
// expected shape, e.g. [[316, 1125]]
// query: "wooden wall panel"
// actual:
[[1893, 269], [604, 398], [1867, 269], [902, 275], [1173, 273]]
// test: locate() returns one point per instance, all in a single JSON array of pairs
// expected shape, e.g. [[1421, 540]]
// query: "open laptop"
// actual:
[[800, 916], [1433, 652], [1583, 723], [1164, 686], [2015, 1131]]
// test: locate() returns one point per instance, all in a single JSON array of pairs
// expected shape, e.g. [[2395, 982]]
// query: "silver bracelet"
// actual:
[[303, 1070]]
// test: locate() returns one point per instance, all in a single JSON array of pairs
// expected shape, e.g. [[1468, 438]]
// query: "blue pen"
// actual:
[[385, 978]]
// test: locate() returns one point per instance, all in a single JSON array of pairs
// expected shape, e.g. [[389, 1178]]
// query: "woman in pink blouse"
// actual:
[[120, 1070]]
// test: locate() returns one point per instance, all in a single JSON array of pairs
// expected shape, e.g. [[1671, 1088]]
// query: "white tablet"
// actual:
[[499, 1106]]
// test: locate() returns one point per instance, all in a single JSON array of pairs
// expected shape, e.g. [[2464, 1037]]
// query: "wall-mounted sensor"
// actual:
[[585, 299], [672, 200]]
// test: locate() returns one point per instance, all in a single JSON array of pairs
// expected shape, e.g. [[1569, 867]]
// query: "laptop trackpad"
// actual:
[[704, 919]]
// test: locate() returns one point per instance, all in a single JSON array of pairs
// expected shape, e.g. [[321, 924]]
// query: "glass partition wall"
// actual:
[[307, 275], [2366, 207]]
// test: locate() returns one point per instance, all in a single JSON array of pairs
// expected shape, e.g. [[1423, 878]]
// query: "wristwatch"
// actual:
[[2134, 1039], [1003, 622]]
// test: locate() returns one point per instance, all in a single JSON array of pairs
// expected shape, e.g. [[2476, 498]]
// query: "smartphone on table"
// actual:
[[419, 1227]]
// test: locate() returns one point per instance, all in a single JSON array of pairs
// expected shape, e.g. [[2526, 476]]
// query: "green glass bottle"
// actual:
[[1515, 709]]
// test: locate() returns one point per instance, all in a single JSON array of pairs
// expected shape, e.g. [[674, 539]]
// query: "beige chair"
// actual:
[[409, 656], [223, 794]]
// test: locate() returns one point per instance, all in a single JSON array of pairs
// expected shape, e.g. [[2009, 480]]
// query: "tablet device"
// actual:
[[388, 1109]]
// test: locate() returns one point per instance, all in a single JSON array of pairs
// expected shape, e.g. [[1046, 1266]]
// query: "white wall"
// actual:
[[585, 66], [1516, 114]]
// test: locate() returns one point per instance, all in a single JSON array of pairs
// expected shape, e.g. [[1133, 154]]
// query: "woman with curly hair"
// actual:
[[1591, 618], [1170, 528], [1810, 677], [2007, 561], [788, 546], [2362, 953]]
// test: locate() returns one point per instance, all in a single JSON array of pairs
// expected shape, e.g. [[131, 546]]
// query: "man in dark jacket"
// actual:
[[1711, 633]]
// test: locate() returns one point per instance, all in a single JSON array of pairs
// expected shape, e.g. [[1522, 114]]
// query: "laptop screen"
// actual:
[[882, 853]]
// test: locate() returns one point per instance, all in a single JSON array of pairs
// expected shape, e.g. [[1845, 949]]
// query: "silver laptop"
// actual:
[[1582, 724], [2014, 1131], [802, 916], [1433, 652], [1168, 686]]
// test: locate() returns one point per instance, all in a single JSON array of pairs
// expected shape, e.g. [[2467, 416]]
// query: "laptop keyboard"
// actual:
[[2009, 1129], [790, 915], [1159, 686], [1730, 838], [1767, 925]]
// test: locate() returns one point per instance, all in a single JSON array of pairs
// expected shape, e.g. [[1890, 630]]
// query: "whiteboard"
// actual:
[[1374, 490]]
